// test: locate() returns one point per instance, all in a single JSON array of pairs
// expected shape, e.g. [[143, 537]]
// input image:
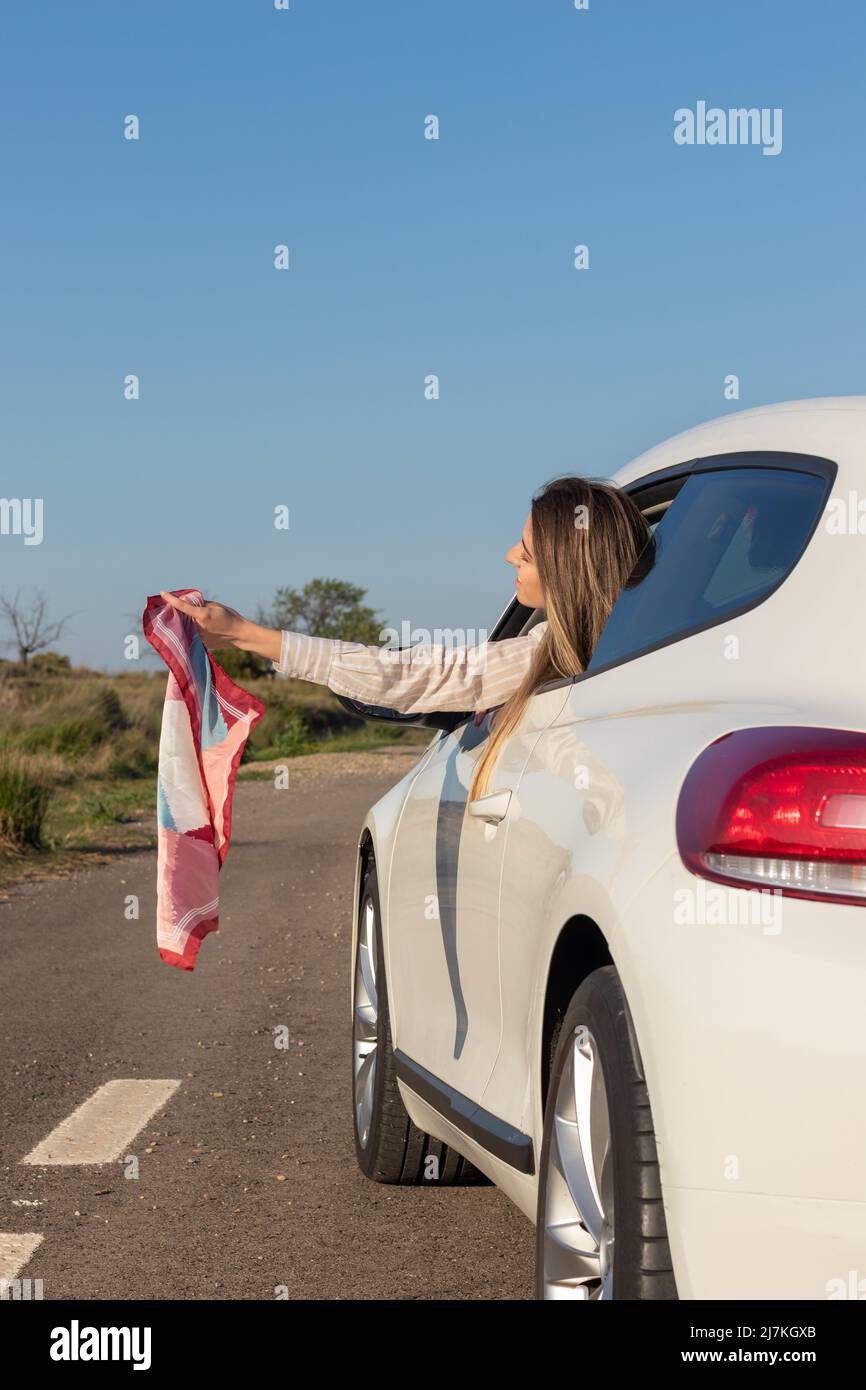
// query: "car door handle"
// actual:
[[491, 808]]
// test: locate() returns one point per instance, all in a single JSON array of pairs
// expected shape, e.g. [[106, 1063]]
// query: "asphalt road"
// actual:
[[247, 1181]]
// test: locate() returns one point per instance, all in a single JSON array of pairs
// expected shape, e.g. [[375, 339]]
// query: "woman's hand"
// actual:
[[218, 626]]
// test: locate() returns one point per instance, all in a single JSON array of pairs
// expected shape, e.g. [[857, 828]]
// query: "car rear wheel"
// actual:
[[601, 1231], [389, 1147]]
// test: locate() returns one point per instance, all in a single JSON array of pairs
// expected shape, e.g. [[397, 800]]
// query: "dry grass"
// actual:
[[79, 753]]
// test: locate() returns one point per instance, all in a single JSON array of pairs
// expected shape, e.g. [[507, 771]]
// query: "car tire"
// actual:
[[389, 1147], [599, 1157]]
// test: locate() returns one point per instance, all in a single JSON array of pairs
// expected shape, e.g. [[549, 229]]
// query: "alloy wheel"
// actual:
[[578, 1209], [365, 1023]]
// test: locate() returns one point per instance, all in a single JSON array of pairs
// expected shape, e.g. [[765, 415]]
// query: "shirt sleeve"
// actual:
[[412, 680]]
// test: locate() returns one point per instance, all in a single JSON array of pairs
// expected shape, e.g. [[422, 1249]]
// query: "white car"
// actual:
[[629, 987]]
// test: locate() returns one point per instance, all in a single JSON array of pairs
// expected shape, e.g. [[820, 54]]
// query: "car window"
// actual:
[[726, 542]]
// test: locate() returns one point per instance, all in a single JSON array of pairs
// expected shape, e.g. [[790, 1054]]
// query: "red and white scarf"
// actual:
[[206, 721]]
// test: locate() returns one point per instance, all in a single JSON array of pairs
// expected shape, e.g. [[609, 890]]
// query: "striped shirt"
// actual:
[[412, 680]]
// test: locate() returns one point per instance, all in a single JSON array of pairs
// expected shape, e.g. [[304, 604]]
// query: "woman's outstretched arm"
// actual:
[[411, 680]]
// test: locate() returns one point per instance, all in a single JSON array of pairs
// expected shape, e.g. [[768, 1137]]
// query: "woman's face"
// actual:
[[527, 585]]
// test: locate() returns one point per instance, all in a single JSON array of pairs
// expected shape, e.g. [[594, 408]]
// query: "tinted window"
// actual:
[[727, 540]]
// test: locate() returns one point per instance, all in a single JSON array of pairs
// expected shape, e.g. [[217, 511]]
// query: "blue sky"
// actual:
[[407, 257]]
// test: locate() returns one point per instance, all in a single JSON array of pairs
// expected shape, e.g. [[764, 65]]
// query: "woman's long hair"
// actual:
[[586, 538]]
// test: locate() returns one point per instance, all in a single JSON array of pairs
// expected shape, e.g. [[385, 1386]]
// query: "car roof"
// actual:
[[831, 427]]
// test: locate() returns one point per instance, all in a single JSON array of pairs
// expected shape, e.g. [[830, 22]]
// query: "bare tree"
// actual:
[[32, 632]]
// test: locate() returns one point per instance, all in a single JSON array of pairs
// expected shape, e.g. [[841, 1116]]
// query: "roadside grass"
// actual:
[[79, 753], [24, 798]]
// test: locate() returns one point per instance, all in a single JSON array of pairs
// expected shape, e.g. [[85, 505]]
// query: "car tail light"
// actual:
[[779, 808]]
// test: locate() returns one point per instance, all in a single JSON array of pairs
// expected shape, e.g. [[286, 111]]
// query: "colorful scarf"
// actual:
[[206, 721]]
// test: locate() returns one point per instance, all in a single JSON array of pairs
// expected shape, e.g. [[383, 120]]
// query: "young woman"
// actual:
[[579, 545]]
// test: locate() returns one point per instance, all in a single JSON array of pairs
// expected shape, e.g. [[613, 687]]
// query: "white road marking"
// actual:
[[15, 1251], [101, 1129]]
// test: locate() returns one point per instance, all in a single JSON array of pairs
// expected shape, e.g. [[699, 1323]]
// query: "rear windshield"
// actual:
[[726, 541]]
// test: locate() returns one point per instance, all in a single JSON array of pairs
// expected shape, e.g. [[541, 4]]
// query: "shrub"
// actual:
[[23, 802], [109, 708], [287, 734], [71, 738], [132, 754], [49, 664], [242, 666]]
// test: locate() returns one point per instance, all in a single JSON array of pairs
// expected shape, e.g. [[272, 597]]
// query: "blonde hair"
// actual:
[[586, 538]]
